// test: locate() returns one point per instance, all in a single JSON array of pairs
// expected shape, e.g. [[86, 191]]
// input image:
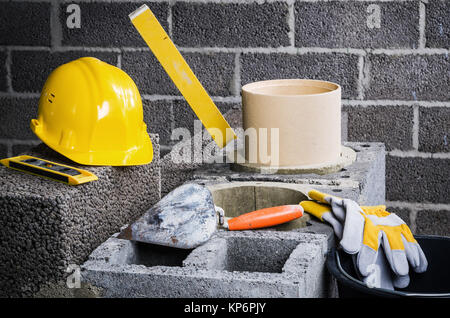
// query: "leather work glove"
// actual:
[[332, 213], [336, 218], [366, 228], [325, 214]]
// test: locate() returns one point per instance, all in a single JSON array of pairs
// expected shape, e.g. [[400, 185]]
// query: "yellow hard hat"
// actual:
[[91, 112]]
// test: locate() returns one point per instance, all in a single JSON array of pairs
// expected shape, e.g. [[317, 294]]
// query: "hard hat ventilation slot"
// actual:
[[52, 95]]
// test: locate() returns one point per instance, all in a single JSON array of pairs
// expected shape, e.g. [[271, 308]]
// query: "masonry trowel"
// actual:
[[187, 217]]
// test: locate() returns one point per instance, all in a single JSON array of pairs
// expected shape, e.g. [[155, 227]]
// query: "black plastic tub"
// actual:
[[435, 282]]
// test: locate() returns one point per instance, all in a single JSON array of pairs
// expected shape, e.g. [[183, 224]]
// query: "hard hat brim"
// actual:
[[133, 157]]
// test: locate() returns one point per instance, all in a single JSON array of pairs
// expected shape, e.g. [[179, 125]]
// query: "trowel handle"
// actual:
[[265, 217]]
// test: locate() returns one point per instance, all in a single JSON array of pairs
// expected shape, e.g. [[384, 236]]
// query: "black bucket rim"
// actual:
[[335, 268]]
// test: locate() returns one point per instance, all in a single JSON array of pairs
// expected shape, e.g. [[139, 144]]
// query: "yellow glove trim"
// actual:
[[378, 210], [393, 234], [316, 209], [371, 231], [319, 196]]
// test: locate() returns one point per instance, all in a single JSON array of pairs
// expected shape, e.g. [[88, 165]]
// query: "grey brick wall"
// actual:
[[341, 24], [231, 24], [390, 57]]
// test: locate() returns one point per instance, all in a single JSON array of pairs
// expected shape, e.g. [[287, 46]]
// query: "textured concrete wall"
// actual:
[[46, 226], [395, 72]]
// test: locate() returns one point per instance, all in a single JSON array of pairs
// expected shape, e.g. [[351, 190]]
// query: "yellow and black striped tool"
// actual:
[[48, 169], [181, 74]]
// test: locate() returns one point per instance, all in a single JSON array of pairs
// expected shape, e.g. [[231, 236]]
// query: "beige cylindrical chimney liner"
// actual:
[[307, 114]]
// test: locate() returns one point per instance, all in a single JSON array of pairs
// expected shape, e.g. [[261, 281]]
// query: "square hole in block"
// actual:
[[246, 254], [156, 255]]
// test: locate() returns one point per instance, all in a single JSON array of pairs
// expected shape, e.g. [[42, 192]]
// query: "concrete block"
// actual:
[[391, 125], [25, 23], [437, 26], [409, 76], [173, 172], [16, 116], [107, 24], [176, 173], [335, 67], [362, 181], [30, 69], [230, 24], [3, 84], [349, 24], [47, 225], [344, 125], [3, 151], [214, 70], [416, 179], [282, 261], [147, 73], [433, 222], [158, 115], [434, 129], [19, 149], [231, 264], [368, 171]]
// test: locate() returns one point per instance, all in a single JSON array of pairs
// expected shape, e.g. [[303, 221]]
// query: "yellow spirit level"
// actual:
[[50, 170], [181, 74]]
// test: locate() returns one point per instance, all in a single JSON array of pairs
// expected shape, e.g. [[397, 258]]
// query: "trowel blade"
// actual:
[[184, 218]]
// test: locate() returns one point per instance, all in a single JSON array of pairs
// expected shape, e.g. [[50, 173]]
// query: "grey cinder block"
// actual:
[[434, 129], [158, 117], [433, 222], [368, 171], [272, 262], [231, 264], [18, 149], [230, 24], [147, 73], [391, 125], [174, 174], [362, 181], [47, 225], [418, 179], [25, 23], [437, 26], [336, 67], [349, 24], [107, 24], [409, 76], [215, 71], [3, 85], [30, 69], [16, 116], [3, 151]]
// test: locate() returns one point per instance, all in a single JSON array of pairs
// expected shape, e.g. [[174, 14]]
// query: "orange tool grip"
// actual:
[[265, 217]]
